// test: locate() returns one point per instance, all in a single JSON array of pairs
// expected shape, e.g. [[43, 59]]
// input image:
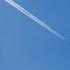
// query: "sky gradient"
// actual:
[[25, 45]]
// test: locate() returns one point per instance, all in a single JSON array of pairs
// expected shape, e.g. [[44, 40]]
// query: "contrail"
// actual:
[[11, 2]]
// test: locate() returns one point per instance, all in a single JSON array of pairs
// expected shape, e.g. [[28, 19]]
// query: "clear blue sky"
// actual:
[[25, 45]]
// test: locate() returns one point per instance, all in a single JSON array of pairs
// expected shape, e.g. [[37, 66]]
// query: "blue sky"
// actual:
[[25, 45]]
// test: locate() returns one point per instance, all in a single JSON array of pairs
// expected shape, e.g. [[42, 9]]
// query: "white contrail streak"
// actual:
[[11, 2]]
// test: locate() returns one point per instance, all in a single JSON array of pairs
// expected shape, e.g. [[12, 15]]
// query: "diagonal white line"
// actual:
[[11, 2]]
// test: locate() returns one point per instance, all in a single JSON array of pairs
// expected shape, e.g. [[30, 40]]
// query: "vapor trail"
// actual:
[[11, 2]]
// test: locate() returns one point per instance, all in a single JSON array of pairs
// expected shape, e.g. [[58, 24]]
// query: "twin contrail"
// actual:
[[11, 2]]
